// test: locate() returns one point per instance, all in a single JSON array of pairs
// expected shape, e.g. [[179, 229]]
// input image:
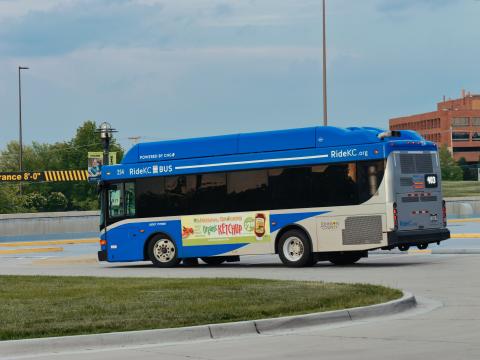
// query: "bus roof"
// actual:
[[257, 142]]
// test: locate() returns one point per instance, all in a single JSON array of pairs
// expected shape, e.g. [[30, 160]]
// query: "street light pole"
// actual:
[[20, 138], [106, 131], [325, 117]]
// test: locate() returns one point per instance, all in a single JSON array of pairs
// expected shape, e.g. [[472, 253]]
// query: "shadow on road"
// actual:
[[204, 267]]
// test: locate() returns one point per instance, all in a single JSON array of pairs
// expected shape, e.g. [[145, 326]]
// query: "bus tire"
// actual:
[[345, 259], [163, 251], [214, 260], [295, 250]]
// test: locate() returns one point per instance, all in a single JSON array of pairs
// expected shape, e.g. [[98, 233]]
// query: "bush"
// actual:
[[56, 201], [34, 202]]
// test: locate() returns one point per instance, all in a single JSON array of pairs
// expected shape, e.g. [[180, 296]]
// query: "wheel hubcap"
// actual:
[[164, 250], [293, 249]]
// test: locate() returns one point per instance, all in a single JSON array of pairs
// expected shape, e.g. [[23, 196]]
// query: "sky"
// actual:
[[166, 69]]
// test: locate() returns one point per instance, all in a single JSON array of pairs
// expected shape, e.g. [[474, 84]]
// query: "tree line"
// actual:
[[456, 170], [52, 196]]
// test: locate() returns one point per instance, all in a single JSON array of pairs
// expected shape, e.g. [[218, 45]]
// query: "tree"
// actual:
[[68, 155], [10, 202], [450, 169], [82, 195]]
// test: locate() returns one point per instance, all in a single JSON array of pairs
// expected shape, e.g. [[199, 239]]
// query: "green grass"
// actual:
[[460, 188], [41, 306]]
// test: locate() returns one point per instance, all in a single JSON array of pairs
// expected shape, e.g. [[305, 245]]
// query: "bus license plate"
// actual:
[[433, 217]]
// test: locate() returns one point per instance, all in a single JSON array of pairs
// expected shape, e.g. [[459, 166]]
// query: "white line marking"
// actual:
[[250, 162]]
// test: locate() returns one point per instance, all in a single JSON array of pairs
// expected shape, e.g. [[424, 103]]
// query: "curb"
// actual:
[[44, 346], [456, 251], [432, 251]]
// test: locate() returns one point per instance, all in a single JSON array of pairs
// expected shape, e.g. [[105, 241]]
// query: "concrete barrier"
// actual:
[[84, 224], [463, 207], [54, 225]]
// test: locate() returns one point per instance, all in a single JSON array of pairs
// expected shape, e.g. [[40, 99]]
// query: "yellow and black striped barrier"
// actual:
[[66, 175], [44, 176]]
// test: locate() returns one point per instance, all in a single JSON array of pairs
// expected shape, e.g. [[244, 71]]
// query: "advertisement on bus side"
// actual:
[[241, 228]]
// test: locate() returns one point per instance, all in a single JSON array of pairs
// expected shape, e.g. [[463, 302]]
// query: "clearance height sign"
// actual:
[[225, 229], [44, 176], [21, 176]]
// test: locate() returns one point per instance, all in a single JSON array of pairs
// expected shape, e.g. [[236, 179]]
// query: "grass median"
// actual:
[[460, 188], [42, 306]]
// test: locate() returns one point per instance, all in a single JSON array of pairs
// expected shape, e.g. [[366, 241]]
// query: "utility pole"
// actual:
[[20, 137], [325, 117], [134, 139]]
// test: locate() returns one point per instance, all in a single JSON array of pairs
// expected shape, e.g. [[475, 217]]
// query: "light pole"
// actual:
[[325, 117], [106, 132], [20, 139]]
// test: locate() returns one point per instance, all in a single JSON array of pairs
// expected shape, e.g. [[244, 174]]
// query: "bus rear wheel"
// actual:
[[295, 250], [163, 252], [214, 260], [345, 259]]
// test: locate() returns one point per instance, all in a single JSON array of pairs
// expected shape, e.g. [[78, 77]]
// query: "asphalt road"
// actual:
[[445, 326]]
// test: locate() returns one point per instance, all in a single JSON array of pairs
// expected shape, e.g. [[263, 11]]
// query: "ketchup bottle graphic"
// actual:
[[259, 226]]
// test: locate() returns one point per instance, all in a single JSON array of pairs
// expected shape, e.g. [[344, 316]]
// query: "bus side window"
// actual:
[[151, 197], [130, 199], [334, 185], [115, 201], [210, 194], [178, 194], [370, 175], [289, 187], [247, 190]]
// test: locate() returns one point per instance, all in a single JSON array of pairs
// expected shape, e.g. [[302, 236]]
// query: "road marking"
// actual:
[[50, 242], [465, 236], [79, 260], [30, 250], [463, 220], [420, 251]]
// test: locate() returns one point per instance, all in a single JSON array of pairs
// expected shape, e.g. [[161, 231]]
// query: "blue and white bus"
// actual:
[[308, 195]]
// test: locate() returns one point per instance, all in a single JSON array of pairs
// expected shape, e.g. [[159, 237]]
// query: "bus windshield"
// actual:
[[121, 200]]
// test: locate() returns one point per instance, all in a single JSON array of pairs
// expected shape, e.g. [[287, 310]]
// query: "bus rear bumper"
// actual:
[[415, 237], [102, 255]]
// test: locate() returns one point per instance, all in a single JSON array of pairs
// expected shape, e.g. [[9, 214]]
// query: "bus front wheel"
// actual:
[[163, 252], [295, 250]]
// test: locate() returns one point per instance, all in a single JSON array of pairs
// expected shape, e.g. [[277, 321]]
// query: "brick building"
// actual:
[[455, 123]]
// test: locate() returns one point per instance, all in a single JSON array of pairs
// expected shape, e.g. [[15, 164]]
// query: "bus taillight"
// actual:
[[444, 213], [395, 216]]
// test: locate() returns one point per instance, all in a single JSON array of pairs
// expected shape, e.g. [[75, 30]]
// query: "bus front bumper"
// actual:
[[414, 237], [102, 255]]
